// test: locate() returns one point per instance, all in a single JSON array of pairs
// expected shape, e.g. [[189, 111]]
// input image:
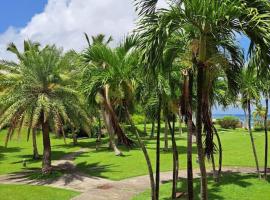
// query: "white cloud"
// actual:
[[63, 23]]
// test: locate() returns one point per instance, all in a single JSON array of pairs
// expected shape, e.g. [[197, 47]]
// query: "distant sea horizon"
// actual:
[[241, 117]]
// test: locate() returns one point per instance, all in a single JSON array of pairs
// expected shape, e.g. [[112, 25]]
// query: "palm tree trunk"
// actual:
[[34, 142], [146, 156], [74, 137], [144, 127], [187, 112], [214, 167], [266, 138], [246, 120], [220, 154], [122, 138], [109, 127], [166, 135], [152, 129], [98, 141], [9, 133], [252, 140], [180, 121], [46, 162], [175, 158], [158, 149], [201, 157], [189, 158]]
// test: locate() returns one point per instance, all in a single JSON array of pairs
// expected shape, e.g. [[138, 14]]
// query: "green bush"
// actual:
[[259, 126], [138, 119], [229, 122]]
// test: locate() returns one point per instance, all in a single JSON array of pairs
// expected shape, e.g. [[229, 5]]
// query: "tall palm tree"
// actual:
[[213, 21], [250, 93], [35, 94], [261, 61]]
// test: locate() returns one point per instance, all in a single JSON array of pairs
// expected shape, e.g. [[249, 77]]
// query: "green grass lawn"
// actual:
[[236, 149], [18, 149], [30, 192], [103, 163], [231, 187]]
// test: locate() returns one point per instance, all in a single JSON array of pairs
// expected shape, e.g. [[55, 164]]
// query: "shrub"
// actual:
[[138, 119], [258, 126], [229, 122]]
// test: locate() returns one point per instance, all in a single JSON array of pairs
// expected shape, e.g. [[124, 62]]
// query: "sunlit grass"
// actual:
[[30, 192]]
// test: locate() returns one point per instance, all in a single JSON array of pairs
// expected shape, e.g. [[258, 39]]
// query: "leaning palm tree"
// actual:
[[109, 77], [96, 61], [34, 94], [213, 22]]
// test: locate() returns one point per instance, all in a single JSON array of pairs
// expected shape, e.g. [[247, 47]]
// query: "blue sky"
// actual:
[[18, 13], [63, 22]]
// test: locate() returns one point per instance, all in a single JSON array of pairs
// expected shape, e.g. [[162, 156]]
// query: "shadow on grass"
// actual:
[[214, 189], [95, 169], [4, 150]]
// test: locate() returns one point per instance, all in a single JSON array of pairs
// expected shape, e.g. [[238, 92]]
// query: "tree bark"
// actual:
[[98, 141], [46, 162], [146, 156], [109, 127], [187, 94], [158, 149], [266, 138], [180, 121], [201, 157], [34, 142], [122, 138], [152, 129], [175, 158], [252, 140], [220, 154], [9, 133], [166, 135], [144, 127]]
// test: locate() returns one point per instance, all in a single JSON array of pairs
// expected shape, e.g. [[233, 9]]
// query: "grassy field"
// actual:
[[236, 149], [30, 192], [103, 163], [11, 158], [231, 187]]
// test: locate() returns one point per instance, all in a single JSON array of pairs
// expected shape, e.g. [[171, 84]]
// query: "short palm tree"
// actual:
[[35, 94]]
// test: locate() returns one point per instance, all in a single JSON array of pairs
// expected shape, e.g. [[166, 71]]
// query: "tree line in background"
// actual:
[[178, 64]]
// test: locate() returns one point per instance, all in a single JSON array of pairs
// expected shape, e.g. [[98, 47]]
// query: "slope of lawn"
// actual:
[[30, 192], [18, 149], [236, 149], [231, 187]]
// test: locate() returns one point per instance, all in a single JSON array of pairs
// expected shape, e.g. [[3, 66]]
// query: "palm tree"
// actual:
[[250, 93], [35, 94], [213, 21], [260, 61], [98, 58]]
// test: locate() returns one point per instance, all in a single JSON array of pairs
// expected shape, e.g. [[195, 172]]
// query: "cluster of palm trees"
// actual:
[[210, 53], [178, 63]]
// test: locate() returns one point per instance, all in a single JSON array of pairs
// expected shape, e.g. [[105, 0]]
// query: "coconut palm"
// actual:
[[118, 73], [213, 22], [250, 94], [96, 61], [261, 61], [34, 94]]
